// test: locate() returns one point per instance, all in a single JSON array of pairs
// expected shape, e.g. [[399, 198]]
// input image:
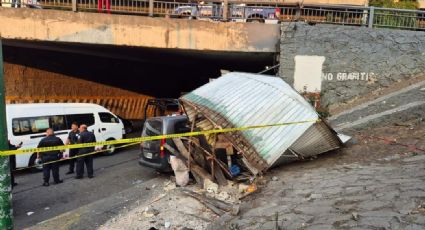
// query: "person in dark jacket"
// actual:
[[85, 137], [12, 163], [72, 139], [49, 141]]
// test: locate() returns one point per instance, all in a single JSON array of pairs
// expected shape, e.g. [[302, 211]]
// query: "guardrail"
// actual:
[[341, 15], [360, 16], [347, 16]]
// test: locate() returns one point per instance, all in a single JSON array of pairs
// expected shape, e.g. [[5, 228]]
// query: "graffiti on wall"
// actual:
[[349, 76]]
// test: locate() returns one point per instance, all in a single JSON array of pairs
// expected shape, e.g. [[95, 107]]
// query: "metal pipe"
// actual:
[[6, 211], [371, 15]]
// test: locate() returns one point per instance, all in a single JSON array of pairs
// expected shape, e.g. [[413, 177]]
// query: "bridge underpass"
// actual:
[[123, 70], [129, 57], [56, 54], [129, 71]]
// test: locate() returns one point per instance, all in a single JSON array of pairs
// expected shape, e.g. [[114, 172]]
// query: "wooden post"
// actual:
[[196, 169]]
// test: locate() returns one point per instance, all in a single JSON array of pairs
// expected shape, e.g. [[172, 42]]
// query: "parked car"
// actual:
[[239, 13], [128, 125], [27, 123], [153, 154], [34, 4]]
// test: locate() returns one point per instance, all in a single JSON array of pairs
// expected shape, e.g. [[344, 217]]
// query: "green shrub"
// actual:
[[413, 5], [385, 18]]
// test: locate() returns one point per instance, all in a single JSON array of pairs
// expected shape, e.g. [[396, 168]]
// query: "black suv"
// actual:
[[153, 153]]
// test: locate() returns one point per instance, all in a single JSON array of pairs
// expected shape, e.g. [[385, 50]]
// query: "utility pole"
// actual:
[[6, 211]]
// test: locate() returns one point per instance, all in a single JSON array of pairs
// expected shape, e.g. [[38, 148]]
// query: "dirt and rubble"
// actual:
[[369, 184], [175, 208]]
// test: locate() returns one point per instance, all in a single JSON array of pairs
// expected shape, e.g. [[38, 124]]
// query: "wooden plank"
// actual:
[[207, 204], [132, 108], [141, 108], [217, 203], [219, 176], [136, 114], [253, 170], [133, 105], [202, 145]]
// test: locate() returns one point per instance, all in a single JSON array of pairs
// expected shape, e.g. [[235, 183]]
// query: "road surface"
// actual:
[[112, 174]]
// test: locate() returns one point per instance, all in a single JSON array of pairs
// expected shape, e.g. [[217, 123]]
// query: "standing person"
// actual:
[[12, 162], [16, 3], [72, 139], [85, 137], [101, 4], [49, 141]]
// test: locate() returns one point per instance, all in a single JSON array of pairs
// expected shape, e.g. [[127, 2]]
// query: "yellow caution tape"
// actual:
[[142, 139], [69, 158]]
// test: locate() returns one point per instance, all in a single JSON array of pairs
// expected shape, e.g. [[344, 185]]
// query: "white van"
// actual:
[[27, 123]]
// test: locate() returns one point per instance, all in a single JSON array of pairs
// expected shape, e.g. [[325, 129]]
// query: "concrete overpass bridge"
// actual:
[[133, 56], [123, 55], [124, 30]]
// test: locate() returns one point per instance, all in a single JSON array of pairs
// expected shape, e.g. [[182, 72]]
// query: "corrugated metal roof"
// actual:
[[243, 99]]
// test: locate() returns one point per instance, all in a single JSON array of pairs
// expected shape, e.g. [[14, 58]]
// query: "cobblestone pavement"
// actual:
[[399, 106], [351, 189]]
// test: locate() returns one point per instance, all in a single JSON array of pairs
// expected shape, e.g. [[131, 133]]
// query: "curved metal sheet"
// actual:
[[243, 99]]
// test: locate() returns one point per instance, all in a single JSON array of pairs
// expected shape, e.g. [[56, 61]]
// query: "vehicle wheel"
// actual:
[[110, 149], [256, 20], [32, 163], [185, 15]]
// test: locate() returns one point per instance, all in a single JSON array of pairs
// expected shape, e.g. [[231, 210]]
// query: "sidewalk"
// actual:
[[92, 216], [369, 185]]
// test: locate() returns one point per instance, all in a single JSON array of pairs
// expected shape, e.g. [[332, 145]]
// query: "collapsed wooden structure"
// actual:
[[242, 100]]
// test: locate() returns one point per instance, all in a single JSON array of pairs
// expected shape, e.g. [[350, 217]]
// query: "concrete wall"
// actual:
[[124, 30], [29, 85], [358, 61]]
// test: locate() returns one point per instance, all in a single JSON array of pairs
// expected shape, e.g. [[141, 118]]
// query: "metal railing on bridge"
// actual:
[[359, 16], [372, 17]]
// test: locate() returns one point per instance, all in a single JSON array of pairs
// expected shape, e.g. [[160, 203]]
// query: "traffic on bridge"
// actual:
[[333, 12]]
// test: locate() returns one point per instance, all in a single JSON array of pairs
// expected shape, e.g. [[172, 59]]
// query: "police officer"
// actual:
[[49, 141], [72, 139], [85, 137]]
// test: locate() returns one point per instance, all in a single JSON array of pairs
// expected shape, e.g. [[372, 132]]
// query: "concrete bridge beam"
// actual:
[[138, 31]]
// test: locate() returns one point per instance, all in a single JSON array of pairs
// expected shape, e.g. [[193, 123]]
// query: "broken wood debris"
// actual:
[[197, 152], [198, 172], [228, 102], [217, 206]]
